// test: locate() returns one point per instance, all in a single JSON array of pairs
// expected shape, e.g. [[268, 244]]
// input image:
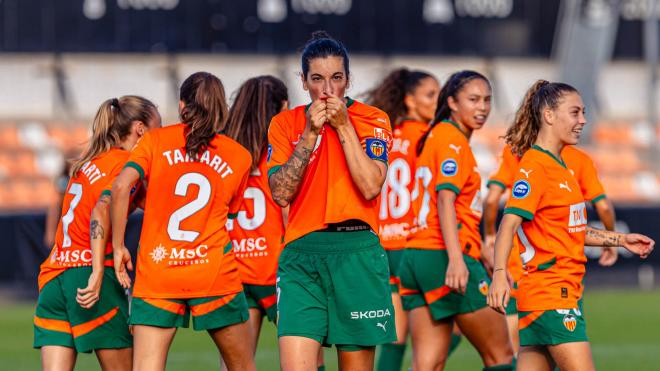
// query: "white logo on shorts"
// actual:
[[382, 325]]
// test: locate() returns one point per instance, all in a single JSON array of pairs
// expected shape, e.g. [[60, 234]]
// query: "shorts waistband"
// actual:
[[337, 242], [352, 225]]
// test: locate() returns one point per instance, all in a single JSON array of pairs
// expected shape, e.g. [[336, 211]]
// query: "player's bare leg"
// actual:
[[150, 347], [400, 319], [512, 324], [487, 331], [298, 353], [430, 340], [572, 356], [57, 358], [115, 359], [359, 360], [533, 358], [234, 350], [254, 323]]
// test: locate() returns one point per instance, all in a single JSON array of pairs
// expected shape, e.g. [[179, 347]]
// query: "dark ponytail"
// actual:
[[451, 88], [257, 101], [205, 110], [527, 124], [322, 45], [390, 95]]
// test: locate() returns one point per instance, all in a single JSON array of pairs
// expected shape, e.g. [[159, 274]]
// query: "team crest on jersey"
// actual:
[[570, 322], [449, 167], [521, 189], [270, 152], [376, 149], [483, 287]]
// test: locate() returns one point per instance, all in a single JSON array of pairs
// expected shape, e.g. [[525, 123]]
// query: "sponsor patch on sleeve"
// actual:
[[521, 189], [449, 167], [376, 149]]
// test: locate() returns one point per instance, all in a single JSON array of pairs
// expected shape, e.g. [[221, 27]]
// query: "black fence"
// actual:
[[481, 28], [22, 250]]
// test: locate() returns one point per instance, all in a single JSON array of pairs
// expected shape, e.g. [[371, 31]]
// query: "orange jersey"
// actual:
[[72, 247], [327, 193], [447, 163], [395, 215], [547, 196], [578, 163], [185, 250], [257, 231]]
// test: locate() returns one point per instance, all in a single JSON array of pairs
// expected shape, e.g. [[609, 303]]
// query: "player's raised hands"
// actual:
[[336, 111], [316, 116]]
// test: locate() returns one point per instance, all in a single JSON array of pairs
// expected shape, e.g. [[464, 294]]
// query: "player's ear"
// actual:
[[304, 82], [181, 106], [453, 105], [139, 128], [549, 116]]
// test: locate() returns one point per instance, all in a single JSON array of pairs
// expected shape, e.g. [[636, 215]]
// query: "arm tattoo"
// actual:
[[284, 182], [96, 231], [603, 238]]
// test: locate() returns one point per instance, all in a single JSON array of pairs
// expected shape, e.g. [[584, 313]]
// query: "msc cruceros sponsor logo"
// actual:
[[250, 247], [73, 258], [371, 314], [180, 256]]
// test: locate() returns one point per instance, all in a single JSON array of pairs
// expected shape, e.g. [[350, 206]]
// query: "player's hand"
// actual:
[[457, 275], [638, 244], [88, 296], [336, 111], [609, 256], [499, 292], [488, 253], [123, 264], [316, 116]]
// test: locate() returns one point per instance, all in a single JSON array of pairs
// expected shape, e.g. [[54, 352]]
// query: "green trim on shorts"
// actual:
[[512, 307], [179, 311], [60, 320], [255, 295], [394, 261], [333, 287], [552, 327], [137, 167], [423, 272]]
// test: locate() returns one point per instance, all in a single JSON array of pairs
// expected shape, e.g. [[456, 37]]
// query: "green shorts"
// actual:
[[394, 261], [60, 320], [512, 308], [208, 313], [551, 327], [333, 287], [262, 297], [422, 274]]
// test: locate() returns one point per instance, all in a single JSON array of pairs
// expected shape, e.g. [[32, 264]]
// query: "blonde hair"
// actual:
[[112, 123]]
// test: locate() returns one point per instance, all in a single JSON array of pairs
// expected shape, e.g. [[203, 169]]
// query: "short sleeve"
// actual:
[[376, 137], [237, 200], [453, 168], [506, 172], [279, 145], [527, 191], [587, 178], [141, 156], [107, 187]]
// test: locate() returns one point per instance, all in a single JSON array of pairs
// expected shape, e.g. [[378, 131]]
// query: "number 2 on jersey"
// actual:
[[187, 210]]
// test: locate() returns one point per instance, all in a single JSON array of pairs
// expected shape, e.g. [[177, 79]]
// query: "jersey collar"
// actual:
[[558, 159], [448, 121]]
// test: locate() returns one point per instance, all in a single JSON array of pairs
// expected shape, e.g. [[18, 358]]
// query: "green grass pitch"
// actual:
[[623, 326]]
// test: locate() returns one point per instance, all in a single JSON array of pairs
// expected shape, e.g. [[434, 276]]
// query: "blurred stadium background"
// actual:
[[60, 59]]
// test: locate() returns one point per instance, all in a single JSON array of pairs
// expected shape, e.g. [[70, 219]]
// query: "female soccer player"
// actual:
[[409, 98], [440, 272], [585, 173], [258, 229], [328, 160], [546, 213], [185, 262], [82, 307]]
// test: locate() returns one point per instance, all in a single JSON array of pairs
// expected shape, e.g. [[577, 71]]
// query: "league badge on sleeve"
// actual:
[[449, 167], [520, 189], [377, 149]]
